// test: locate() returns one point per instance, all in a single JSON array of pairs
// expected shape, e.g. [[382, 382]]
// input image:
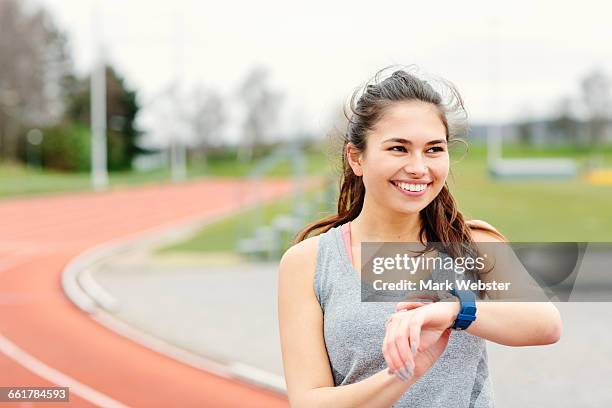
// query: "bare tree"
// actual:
[[598, 103], [524, 126], [33, 65], [262, 105], [207, 119], [564, 122]]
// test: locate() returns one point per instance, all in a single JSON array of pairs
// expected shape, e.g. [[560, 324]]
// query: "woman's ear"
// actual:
[[354, 158]]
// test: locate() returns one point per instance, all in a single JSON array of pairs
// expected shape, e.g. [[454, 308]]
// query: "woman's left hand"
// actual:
[[413, 328]]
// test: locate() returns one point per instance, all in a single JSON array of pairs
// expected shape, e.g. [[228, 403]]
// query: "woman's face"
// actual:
[[406, 161]]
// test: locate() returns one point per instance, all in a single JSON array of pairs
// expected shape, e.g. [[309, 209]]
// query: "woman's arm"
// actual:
[[507, 323], [517, 323], [379, 390], [306, 365], [524, 323], [529, 323]]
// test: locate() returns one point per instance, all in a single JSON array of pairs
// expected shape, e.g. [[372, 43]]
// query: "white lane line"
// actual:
[[97, 292], [52, 375]]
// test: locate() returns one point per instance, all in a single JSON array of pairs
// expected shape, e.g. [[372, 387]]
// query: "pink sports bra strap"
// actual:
[[346, 236]]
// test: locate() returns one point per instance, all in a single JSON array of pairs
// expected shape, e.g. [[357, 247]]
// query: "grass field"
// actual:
[[222, 236], [18, 181], [536, 210]]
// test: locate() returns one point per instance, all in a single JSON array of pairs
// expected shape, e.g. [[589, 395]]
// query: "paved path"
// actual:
[[226, 313], [46, 340]]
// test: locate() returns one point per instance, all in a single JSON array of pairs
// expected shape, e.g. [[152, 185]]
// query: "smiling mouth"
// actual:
[[410, 187]]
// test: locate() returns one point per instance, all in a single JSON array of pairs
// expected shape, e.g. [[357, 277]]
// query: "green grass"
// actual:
[[561, 210], [581, 154], [20, 181], [223, 235], [477, 153]]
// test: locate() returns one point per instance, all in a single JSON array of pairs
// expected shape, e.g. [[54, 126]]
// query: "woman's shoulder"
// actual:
[[301, 257], [297, 267], [302, 249], [482, 231], [308, 248]]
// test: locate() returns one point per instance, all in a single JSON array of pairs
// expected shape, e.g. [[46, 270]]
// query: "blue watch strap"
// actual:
[[467, 313]]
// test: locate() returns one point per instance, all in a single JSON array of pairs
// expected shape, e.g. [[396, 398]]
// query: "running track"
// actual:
[[46, 340]]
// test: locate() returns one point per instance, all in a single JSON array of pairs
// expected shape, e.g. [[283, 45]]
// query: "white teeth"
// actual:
[[411, 187]]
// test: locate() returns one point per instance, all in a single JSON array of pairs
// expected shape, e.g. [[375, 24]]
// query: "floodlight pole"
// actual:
[[299, 175], [178, 151], [99, 172], [494, 144], [494, 134]]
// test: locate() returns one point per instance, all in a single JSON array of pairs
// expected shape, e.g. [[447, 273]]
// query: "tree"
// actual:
[[564, 122], [524, 127], [262, 105], [598, 103], [121, 110], [33, 65], [524, 132], [206, 118]]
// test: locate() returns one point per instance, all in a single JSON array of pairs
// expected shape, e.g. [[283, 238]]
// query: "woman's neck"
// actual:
[[372, 227]]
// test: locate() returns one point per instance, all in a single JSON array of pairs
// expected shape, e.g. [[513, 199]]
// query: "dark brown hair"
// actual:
[[441, 221]]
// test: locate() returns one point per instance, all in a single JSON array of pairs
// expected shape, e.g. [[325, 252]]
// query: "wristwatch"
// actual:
[[467, 313]]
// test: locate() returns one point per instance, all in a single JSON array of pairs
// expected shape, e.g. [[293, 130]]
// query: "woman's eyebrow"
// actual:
[[406, 141]]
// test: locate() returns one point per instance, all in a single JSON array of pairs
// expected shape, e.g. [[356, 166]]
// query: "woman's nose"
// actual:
[[416, 165]]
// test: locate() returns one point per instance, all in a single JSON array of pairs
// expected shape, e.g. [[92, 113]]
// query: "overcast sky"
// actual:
[[319, 51]]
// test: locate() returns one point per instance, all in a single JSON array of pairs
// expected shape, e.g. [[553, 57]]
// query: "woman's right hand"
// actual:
[[409, 356], [426, 358]]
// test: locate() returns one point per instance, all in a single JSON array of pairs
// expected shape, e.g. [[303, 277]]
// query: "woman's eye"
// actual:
[[434, 149]]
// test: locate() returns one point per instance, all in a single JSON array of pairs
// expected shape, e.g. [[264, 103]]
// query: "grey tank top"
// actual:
[[354, 332]]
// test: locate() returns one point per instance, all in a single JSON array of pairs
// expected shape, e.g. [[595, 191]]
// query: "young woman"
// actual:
[[341, 352]]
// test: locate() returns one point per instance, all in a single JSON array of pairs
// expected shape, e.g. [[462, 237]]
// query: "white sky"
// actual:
[[319, 51]]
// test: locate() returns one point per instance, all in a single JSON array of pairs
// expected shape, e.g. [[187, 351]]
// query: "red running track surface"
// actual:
[[39, 236]]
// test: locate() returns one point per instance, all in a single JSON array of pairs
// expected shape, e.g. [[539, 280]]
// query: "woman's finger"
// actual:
[[391, 348], [403, 345], [408, 305], [386, 353], [415, 335]]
